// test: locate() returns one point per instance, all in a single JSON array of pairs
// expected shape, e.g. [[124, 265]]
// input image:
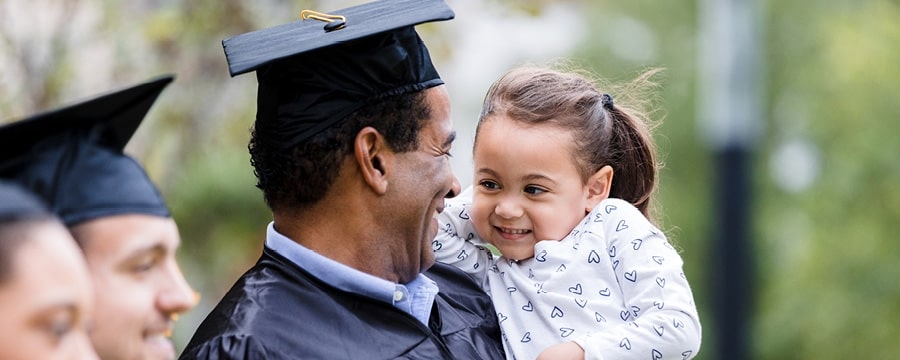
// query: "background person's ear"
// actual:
[[372, 155], [598, 187]]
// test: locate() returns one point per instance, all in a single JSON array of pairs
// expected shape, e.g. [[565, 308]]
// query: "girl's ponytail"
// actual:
[[632, 156]]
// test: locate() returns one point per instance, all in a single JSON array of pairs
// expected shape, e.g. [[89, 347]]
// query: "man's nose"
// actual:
[[455, 188]]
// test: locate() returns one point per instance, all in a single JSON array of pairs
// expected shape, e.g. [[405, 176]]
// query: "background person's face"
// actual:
[[46, 300], [139, 286]]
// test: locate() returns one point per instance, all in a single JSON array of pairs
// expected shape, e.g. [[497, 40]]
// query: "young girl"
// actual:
[[562, 189]]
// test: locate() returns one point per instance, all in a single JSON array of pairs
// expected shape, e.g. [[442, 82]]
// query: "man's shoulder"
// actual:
[[460, 289], [226, 346], [448, 276]]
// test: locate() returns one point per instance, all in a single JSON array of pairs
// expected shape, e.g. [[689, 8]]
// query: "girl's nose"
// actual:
[[508, 209]]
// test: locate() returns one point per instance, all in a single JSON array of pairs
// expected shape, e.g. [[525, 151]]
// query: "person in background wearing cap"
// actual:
[[73, 159], [45, 289], [351, 150]]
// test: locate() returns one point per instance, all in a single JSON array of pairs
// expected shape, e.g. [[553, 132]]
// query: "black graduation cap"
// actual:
[[316, 71], [16, 203], [73, 157]]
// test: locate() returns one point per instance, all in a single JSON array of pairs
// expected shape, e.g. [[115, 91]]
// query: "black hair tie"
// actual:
[[607, 101]]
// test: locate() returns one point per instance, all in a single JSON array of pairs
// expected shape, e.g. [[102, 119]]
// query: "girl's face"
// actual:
[[527, 187]]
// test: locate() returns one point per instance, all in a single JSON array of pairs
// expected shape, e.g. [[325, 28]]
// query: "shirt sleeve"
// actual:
[[660, 314], [457, 243]]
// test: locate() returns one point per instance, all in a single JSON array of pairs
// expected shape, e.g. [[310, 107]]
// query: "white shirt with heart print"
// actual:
[[614, 285]]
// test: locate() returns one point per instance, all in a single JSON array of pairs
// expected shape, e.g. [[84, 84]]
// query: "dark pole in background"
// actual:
[[730, 113]]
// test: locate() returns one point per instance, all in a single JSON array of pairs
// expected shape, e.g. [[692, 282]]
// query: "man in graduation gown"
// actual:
[[350, 148], [73, 159]]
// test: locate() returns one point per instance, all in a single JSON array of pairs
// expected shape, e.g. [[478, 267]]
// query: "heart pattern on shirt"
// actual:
[[581, 302], [556, 313], [636, 244], [593, 258], [628, 246], [526, 338], [659, 330], [575, 289], [528, 307]]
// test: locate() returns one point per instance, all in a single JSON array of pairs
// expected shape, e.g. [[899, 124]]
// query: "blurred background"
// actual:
[[779, 133]]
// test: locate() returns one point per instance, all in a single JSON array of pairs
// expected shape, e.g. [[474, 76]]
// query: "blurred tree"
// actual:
[[832, 257]]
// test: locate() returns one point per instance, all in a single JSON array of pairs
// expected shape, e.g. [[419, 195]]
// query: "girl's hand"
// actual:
[[566, 350]]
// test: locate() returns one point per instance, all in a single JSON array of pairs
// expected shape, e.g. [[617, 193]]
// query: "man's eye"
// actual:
[[144, 265]]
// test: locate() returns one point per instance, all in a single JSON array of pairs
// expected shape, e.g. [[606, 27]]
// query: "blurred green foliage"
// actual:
[[828, 259]]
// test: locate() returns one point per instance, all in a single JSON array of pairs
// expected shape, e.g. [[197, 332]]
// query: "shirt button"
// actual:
[[398, 295]]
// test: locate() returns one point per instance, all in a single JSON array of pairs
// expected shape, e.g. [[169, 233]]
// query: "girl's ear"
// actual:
[[598, 187]]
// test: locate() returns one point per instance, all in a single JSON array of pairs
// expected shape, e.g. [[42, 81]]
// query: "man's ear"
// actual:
[[372, 155], [598, 187]]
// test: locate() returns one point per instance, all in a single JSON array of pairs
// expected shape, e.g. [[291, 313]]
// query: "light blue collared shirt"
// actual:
[[414, 298]]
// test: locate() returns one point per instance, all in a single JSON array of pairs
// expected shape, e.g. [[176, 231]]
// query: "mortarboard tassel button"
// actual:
[[335, 25]]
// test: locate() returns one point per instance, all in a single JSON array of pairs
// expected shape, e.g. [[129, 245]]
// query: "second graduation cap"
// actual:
[[73, 157], [316, 71], [17, 204]]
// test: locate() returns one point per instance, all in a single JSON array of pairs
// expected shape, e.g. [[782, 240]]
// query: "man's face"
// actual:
[[138, 285], [422, 180]]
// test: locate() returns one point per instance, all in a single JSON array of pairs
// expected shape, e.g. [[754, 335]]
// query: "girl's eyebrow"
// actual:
[[487, 171], [534, 177]]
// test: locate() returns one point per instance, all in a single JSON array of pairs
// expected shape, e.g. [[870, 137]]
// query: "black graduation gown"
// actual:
[[277, 310]]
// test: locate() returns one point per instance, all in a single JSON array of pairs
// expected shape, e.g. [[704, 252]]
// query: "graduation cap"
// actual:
[[73, 157], [16, 203], [316, 71]]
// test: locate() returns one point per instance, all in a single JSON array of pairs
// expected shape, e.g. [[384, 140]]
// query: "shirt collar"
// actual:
[[415, 298]]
